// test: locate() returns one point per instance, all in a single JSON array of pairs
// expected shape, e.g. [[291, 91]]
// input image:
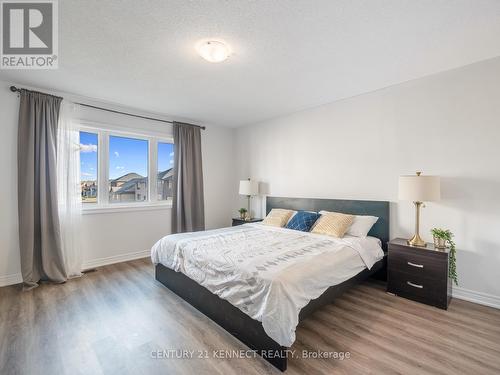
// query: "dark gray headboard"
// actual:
[[354, 207]]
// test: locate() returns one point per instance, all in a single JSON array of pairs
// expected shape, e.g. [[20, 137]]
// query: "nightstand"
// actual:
[[419, 273], [238, 221]]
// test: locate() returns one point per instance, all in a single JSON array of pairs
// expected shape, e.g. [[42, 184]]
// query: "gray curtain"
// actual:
[[39, 232], [188, 212]]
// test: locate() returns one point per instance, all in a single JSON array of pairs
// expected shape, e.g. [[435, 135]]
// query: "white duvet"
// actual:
[[269, 273]]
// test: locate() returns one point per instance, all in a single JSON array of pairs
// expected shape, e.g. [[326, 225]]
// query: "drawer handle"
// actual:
[[414, 285], [415, 265]]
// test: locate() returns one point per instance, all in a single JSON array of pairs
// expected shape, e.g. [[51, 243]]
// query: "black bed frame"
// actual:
[[250, 331]]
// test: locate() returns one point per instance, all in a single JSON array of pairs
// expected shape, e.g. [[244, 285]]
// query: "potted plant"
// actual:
[[443, 238], [243, 213]]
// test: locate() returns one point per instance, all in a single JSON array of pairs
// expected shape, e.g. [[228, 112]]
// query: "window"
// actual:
[[88, 167], [164, 173], [128, 170], [123, 169]]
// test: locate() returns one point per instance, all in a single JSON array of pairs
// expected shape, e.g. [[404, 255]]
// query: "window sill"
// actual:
[[115, 208]]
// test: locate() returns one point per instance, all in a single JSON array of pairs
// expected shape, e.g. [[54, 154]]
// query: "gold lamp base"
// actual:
[[416, 240]]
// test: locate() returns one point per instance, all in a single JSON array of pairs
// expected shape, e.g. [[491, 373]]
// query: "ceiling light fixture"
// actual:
[[213, 51]]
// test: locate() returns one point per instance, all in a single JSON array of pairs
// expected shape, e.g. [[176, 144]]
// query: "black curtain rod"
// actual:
[[15, 89]]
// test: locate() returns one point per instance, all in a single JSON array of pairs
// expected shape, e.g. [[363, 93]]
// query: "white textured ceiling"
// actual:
[[288, 55]]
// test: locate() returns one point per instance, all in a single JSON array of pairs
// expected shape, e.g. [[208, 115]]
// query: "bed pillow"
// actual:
[[303, 220], [278, 217], [295, 213], [333, 224], [360, 226]]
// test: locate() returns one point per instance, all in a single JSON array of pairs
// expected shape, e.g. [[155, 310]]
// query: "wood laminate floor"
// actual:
[[115, 320]]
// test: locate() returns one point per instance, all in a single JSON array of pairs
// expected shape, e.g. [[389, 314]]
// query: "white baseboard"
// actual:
[[15, 278], [115, 259], [476, 297]]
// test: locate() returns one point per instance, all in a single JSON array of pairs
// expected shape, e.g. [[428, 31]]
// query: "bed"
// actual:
[[259, 282]]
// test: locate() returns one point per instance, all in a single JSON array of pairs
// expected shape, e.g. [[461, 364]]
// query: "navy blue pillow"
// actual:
[[303, 220]]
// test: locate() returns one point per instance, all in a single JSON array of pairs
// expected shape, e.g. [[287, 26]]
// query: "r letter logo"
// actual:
[[29, 34]]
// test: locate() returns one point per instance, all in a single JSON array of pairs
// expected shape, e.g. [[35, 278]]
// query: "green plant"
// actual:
[[242, 211], [447, 235]]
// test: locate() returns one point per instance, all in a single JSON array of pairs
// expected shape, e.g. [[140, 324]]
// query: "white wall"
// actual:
[[446, 124], [111, 237]]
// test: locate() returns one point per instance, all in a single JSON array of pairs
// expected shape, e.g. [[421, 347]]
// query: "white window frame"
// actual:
[[104, 131]]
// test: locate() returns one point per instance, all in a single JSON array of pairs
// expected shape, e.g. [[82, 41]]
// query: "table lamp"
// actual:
[[249, 188], [419, 189]]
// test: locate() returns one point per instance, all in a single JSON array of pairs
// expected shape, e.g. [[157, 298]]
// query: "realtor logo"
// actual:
[[29, 34]]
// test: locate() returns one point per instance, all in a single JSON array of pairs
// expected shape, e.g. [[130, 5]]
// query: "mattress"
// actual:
[[268, 273]]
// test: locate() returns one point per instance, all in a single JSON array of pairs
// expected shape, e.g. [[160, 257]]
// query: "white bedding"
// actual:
[[269, 273]]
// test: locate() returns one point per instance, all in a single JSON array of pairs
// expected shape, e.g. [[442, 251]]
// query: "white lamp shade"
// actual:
[[249, 187], [419, 188]]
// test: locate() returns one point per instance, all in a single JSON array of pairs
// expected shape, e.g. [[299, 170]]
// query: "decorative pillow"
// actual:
[[295, 213], [278, 217], [291, 217], [303, 221], [361, 225], [333, 224]]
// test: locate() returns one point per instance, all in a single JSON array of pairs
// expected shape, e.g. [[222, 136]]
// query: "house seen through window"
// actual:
[[126, 176], [165, 167], [128, 169]]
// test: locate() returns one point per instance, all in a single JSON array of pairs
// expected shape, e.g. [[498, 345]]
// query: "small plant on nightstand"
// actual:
[[444, 238], [243, 213]]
